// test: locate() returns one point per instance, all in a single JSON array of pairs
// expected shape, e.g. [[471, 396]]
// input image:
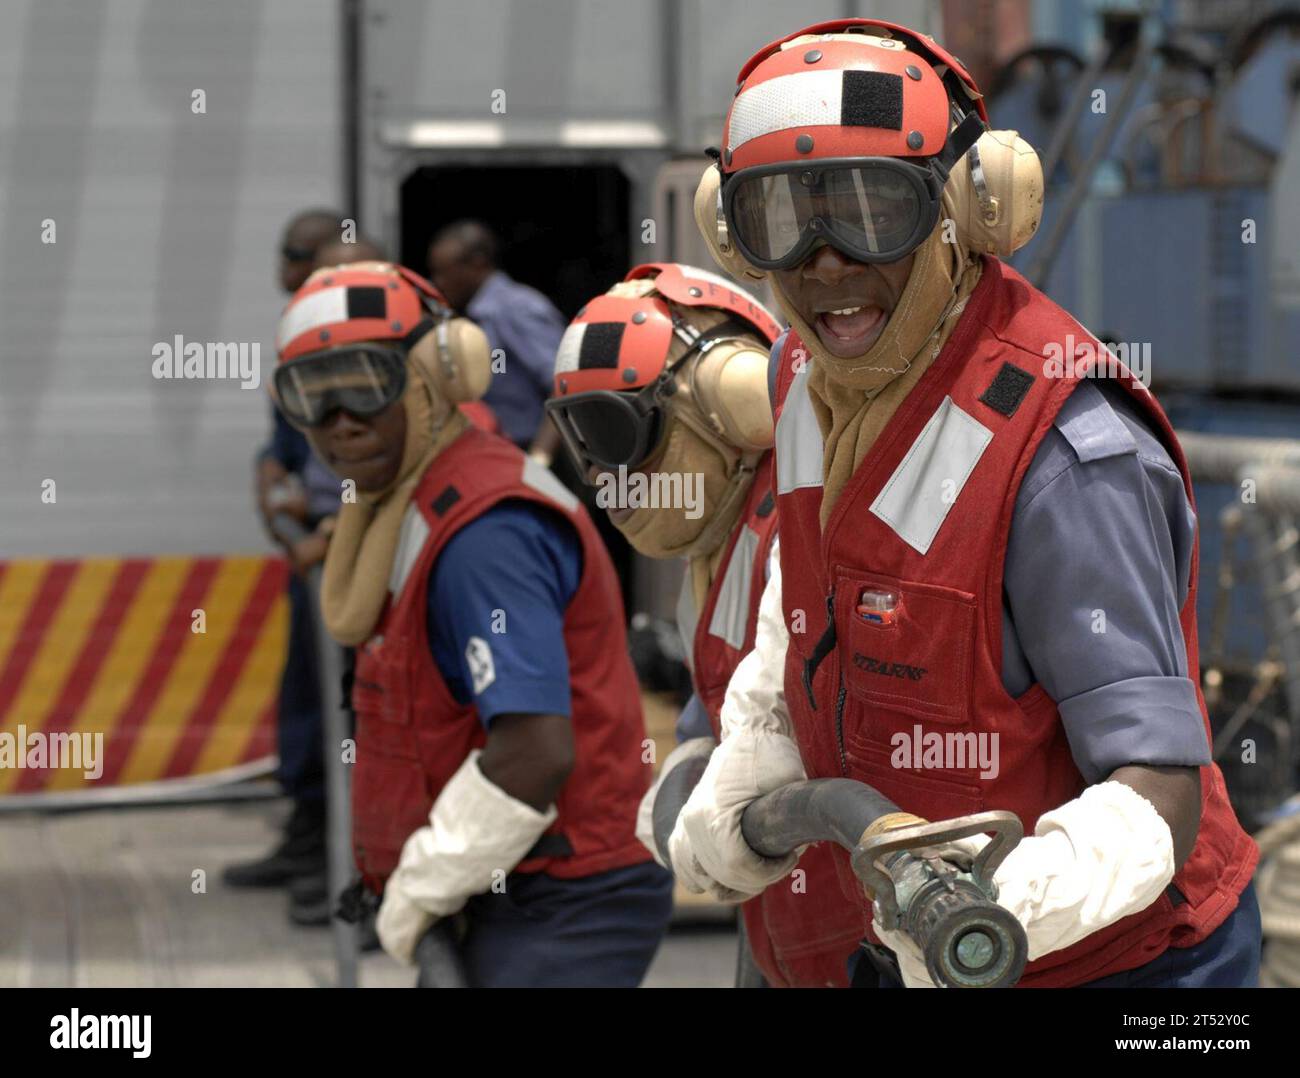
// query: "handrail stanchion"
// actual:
[[338, 802]]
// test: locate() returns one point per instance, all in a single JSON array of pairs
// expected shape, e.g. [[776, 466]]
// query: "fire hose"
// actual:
[[934, 892]]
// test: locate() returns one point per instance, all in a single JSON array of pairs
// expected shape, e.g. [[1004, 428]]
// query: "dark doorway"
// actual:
[[563, 229]]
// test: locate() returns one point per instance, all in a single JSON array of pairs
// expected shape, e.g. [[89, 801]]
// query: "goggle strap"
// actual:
[[702, 342], [963, 137], [421, 328]]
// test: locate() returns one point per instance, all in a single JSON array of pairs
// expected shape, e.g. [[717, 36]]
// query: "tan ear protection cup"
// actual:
[[998, 208], [709, 220], [456, 358], [729, 385]]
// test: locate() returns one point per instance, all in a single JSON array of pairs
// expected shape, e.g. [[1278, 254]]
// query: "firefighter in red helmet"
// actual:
[[499, 731], [665, 376], [984, 543]]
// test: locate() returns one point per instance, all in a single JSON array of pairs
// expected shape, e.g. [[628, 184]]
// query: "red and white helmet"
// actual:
[[346, 336], [885, 95], [623, 342], [362, 301], [615, 383], [846, 138]]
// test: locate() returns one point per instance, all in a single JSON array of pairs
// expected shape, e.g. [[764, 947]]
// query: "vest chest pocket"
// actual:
[[379, 686], [905, 650]]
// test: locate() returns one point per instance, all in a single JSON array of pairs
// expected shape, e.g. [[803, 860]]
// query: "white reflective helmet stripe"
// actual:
[[798, 440], [544, 482], [808, 99], [410, 541], [927, 482], [688, 618], [731, 612], [566, 357], [328, 307]]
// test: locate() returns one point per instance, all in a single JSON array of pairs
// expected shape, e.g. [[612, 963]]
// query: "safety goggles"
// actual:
[[608, 429], [872, 209], [361, 379], [876, 209]]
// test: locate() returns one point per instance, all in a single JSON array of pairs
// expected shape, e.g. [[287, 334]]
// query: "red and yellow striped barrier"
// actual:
[[107, 646]]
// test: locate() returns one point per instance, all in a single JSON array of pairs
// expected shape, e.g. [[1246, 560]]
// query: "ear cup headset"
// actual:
[[346, 338]]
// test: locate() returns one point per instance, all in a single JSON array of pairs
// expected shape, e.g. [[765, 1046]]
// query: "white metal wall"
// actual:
[[166, 222]]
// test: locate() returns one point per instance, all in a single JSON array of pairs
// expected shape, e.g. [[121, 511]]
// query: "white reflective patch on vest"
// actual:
[[544, 482], [731, 612], [410, 541], [928, 481], [798, 440], [478, 657], [687, 618]]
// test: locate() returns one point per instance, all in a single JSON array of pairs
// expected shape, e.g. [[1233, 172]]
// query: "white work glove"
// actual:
[[475, 830], [708, 851], [1091, 862], [757, 754], [645, 827]]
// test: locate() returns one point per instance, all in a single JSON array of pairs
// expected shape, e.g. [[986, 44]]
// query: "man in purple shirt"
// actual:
[[522, 325]]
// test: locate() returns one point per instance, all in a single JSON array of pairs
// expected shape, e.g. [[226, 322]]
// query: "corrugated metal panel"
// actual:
[[167, 222]]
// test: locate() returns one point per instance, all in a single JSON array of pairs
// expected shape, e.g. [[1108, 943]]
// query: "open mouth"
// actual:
[[851, 330]]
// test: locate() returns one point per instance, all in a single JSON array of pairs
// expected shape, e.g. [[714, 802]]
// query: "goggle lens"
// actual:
[[362, 381]]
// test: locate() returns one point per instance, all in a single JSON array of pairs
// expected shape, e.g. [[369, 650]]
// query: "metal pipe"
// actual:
[[1069, 120], [1217, 458], [1277, 488], [352, 22], [1279, 578], [336, 727], [1046, 253]]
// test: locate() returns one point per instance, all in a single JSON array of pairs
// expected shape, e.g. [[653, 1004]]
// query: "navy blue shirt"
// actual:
[[497, 597]]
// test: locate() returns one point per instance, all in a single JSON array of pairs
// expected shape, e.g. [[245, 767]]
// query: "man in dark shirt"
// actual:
[[289, 479]]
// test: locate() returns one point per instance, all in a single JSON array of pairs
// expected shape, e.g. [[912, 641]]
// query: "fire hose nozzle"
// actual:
[[946, 904]]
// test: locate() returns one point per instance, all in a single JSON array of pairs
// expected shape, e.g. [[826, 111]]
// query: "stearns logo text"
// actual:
[[875, 666]]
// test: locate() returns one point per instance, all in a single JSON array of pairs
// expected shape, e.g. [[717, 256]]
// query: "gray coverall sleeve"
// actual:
[[1097, 567]]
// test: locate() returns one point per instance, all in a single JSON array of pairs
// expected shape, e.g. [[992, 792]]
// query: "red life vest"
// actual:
[[799, 938], [412, 734], [926, 516]]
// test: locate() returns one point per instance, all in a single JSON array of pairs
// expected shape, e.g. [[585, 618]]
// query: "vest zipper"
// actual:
[[839, 728]]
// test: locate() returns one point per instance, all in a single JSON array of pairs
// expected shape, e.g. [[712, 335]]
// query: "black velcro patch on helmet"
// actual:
[[600, 344], [445, 500], [872, 99], [766, 506], [366, 302], [1008, 389]]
